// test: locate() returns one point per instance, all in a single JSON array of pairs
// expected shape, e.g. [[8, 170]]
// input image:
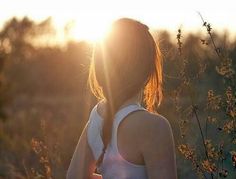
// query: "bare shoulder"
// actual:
[[154, 130], [152, 123], [156, 144]]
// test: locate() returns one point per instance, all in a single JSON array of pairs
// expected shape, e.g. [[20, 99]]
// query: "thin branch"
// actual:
[[201, 132], [208, 28]]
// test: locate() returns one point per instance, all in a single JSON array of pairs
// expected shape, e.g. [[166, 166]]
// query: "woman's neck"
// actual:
[[133, 100]]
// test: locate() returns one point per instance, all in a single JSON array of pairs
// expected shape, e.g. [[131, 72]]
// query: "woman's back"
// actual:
[[114, 164], [123, 157]]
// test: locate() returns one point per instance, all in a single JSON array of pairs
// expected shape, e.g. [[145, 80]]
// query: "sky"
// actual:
[[91, 17]]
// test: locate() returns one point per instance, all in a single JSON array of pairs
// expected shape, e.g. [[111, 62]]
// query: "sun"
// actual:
[[90, 29]]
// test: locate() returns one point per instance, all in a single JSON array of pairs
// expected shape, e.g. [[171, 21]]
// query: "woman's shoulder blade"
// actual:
[[152, 125], [146, 118]]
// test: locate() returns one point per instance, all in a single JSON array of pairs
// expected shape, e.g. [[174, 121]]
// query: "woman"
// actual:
[[122, 139]]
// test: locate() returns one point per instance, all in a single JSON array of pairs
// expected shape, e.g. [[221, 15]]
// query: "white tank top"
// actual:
[[114, 166]]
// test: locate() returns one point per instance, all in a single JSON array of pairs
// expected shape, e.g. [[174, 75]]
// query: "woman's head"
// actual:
[[126, 62]]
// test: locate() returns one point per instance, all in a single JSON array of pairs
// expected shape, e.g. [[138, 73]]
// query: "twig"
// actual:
[[199, 125], [202, 136], [208, 28]]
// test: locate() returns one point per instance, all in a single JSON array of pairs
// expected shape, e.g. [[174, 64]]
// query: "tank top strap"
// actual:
[[94, 131], [120, 115], [95, 125]]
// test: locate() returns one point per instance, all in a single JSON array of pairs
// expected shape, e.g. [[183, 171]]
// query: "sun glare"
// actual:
[[89, 30], [91, 18]]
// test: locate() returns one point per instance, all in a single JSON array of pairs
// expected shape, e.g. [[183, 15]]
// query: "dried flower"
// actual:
[[233, 158], [204, 42], [186, 151], [228, 126], [36, 145], [225, 68], [178, 36], [210, 149], [209, 28], [209, 166], [230, 102], [213, 101], [223, 173], [211, 119]]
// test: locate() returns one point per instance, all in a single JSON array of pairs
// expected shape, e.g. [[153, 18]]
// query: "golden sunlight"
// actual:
[[91, 17], [90, 31]]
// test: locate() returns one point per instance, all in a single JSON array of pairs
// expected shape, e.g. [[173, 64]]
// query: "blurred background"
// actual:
[[45, 52]]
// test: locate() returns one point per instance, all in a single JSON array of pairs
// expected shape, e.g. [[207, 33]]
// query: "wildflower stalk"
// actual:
[[26, 170], [220, 159], [206, 124], [208, 28], [201, 132], [194, 108]]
